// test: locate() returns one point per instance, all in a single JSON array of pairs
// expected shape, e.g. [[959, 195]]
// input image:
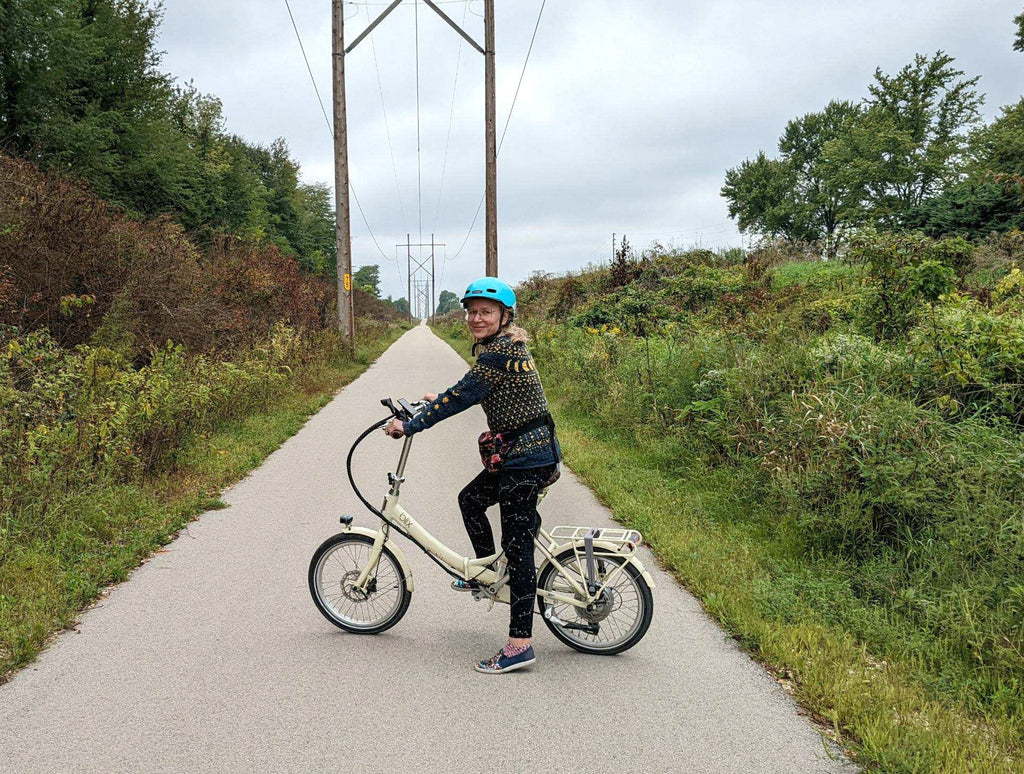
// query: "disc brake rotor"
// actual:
[[348, 587]]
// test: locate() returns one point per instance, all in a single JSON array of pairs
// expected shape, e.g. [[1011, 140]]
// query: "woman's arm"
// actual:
[[486, 373]]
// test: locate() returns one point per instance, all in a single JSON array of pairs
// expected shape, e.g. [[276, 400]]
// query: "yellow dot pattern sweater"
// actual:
[[505, 382]]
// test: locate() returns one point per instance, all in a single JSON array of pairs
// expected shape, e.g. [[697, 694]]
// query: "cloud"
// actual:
[[628, 116]]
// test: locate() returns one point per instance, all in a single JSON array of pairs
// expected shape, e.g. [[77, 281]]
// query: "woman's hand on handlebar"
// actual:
[[395, 428], [430, 397]]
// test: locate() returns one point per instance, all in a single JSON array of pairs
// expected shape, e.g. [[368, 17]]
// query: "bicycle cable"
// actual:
[[348, 465]]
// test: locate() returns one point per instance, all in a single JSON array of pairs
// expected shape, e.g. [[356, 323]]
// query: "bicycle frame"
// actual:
[[492, 585]]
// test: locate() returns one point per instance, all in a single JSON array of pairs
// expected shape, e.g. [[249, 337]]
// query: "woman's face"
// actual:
[[483, 317]]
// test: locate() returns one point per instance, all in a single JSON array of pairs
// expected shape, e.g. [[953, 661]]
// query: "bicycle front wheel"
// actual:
[[333, 571], [615, 622]]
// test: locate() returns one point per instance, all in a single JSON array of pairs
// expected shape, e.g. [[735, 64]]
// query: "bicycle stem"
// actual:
[[395, 479]]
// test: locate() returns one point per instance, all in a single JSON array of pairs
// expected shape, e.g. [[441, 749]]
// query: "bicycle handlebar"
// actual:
[[404, 410]]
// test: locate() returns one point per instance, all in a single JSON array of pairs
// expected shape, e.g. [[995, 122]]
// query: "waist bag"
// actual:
[[495, 447]]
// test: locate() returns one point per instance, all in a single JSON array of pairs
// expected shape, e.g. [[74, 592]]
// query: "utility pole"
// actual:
[[408, 269], [491, 187], [341, 148], [346, 314], [433, 288]]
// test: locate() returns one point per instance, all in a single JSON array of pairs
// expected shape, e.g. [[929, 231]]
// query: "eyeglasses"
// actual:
[[483, 314]]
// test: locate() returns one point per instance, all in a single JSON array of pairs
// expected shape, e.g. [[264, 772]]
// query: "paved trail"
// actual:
[[212, 658]]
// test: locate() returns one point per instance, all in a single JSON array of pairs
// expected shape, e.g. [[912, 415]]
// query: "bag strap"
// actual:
[[544, 420]]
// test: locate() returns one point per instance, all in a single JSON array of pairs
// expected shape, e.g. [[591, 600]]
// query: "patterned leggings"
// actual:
[[515, 491]]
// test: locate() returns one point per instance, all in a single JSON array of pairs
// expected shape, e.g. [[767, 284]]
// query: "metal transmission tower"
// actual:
[[340, 51], [420, 273]]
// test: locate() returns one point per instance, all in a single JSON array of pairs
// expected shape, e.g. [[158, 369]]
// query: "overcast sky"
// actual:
[[628, 116]]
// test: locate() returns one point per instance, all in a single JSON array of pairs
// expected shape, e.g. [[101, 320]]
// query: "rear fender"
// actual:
[[611, 548]]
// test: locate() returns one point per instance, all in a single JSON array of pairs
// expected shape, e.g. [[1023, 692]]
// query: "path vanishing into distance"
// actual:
[[212, 657]]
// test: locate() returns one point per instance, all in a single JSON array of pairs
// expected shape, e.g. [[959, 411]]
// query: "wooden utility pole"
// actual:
[[341, 148], [491, 187], [346, 314]]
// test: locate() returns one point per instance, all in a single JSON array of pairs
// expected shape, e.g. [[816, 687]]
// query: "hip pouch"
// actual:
[[494, 450], [495, 447]]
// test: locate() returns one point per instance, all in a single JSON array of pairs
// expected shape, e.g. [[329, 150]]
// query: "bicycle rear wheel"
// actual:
[[621, 615], [333, 570]]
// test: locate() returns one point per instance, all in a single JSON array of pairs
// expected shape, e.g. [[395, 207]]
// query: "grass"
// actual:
[[99, 535], [706, 520], [812, 273], [692, 521]]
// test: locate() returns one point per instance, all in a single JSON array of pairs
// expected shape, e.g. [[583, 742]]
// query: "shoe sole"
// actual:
[[512, 668]]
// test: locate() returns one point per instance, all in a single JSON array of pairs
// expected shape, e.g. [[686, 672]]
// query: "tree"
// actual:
[[367, 279], [1018, 43], [998, 149], [80, 89], [761, 197], [317, 244], [446, 302], [825, 203], [971, 209], [401, 304], [81, 92], [799, 195], [912, 139]]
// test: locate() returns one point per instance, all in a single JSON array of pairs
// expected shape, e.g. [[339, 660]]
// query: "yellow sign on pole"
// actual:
[[348, 283]]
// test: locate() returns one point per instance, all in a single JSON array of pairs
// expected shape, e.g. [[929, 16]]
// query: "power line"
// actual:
[[330, 127], [507, 121], [437, 2], [521, 74], [387, 128], [451, 116], [309, 69], [419, 173]]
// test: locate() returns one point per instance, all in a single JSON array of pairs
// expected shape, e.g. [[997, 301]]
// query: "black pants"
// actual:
[[516, 492]]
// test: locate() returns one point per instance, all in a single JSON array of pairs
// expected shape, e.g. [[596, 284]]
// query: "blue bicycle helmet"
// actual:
[[492, 288]]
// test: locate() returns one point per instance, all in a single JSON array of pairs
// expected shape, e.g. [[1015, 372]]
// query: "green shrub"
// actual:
[[904, 270], [971, 359], [882, 471]]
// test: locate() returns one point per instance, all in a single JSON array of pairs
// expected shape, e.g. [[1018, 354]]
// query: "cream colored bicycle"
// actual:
[[592, 591]]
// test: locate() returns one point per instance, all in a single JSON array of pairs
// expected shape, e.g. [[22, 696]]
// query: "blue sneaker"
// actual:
[[460, 585], [499, 662]]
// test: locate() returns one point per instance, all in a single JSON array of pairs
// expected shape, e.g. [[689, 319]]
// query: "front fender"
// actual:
[[376, 535]]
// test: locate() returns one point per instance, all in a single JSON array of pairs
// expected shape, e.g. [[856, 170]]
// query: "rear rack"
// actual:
[[607, 534]]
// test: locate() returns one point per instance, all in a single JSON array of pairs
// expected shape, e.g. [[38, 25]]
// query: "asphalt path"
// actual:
[[212, 657]]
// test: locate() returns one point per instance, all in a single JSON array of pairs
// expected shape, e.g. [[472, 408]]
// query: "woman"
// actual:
[[522, 461]]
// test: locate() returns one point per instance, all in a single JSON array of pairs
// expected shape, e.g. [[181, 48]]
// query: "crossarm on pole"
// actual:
[[377, 21], [454, 26]]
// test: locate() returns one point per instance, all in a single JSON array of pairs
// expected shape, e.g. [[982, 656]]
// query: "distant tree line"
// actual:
[[913, 155], [81, 92]]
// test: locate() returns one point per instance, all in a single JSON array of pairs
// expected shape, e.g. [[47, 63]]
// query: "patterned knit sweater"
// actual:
[[505, 382]]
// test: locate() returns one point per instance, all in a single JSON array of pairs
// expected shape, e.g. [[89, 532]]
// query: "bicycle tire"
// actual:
[[625, 631], [338, 561]]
